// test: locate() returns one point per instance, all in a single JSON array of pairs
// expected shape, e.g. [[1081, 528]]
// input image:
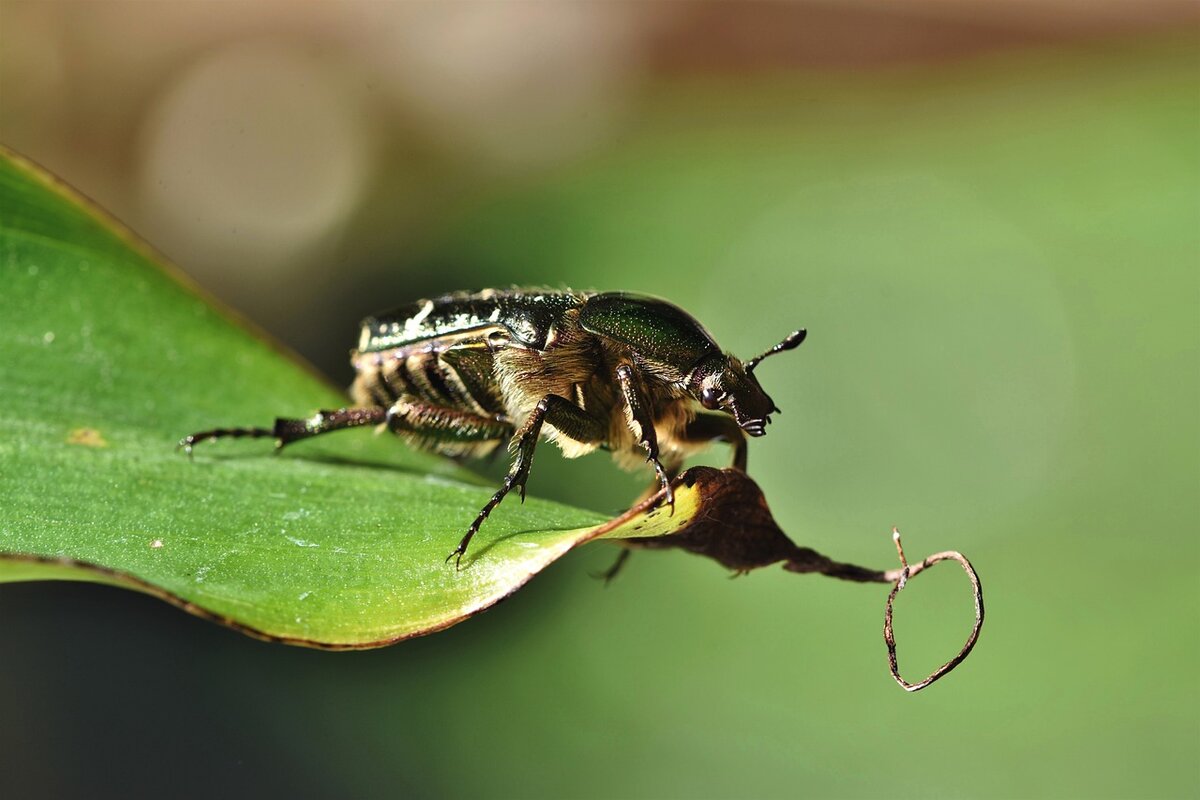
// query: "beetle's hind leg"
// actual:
[[569, 419], [445, 430], [192, 439], [286, 431]]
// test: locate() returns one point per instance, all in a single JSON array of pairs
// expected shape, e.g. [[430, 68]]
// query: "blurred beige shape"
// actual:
[[250, 158], [522, 84], [33, 73]]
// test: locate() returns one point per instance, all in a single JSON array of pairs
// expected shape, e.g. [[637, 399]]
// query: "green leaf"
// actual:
[[109, 358]]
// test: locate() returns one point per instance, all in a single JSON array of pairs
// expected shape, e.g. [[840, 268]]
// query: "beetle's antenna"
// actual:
[[793, 340]]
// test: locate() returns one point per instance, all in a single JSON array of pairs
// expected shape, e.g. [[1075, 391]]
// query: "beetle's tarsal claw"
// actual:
[[669, 498], [461, 550], [518, 482], [457, 555], [666, 490]]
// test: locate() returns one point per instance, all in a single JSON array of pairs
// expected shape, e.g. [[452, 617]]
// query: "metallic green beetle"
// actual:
[[463, 373]]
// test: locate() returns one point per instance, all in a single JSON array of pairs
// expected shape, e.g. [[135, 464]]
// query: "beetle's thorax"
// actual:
[[526, 375], [579, 366]]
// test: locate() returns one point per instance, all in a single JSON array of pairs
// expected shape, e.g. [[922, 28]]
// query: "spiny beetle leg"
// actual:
[[642, 426], [293, 430], [511, 480], [433, 425], [192, 439], [616, 568], [569, 419], [664, 484], [287, 431]]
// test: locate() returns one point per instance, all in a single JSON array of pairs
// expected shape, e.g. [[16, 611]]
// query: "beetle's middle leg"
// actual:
[[570, 420]]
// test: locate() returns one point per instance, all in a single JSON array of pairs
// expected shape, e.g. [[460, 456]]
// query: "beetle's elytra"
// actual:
[[464, 373]]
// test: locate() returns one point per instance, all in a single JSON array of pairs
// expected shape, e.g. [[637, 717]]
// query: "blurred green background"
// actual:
[[988, 222]]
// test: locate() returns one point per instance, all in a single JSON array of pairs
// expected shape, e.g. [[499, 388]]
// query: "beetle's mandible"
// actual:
[[464, 373]]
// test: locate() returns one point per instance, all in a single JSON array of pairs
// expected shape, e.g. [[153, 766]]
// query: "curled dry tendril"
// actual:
[[900, 578]]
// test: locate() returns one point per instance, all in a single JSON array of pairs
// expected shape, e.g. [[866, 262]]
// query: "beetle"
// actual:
[[463, 373]]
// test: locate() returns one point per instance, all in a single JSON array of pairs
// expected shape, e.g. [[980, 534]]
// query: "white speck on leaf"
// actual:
[[157, 543], [299, 542]]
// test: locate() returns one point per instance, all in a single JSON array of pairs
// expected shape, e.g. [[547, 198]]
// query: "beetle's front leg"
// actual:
[[638, 417], [569, 419]]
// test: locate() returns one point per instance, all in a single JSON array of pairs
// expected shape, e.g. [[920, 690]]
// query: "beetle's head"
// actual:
[[722, 382]]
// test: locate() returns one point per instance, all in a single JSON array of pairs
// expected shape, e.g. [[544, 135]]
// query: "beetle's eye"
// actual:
[[710, 398]]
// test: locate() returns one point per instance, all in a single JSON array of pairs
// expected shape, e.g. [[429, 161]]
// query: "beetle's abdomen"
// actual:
[[458, 378]]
